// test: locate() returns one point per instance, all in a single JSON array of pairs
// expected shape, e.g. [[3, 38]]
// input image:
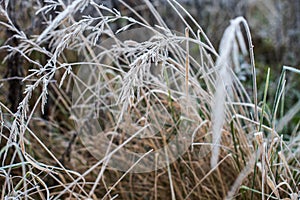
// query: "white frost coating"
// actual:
[[59, 18], [223, 81]]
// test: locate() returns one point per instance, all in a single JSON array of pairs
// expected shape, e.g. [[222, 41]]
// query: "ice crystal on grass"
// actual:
[[148, 99]]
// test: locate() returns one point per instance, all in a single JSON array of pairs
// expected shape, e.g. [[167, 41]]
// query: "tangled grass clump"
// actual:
[[117, 105]]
